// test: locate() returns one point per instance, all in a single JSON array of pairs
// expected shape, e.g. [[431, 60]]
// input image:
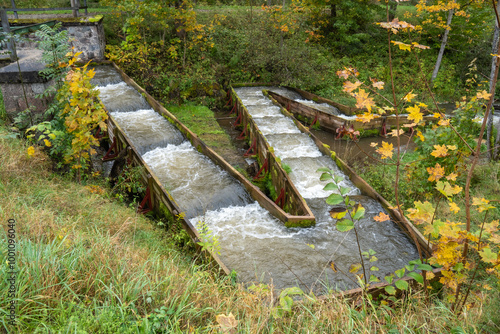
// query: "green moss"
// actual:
[[301, 223]]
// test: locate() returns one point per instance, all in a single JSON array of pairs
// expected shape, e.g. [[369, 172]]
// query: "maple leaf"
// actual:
[[227, 322], [447, 189], [381, 217], [436, 115], [487, 255], [422, 212], [415, 114], [419, 46], [483, 95], [373, 144], [435, 173], [396, 133], [47, 143], [350, 86], [386, 150], [444, 122], [410, 96], [363, 101], [440, 151], [378, 84], [366, 117], [343, 74], [454, 207], [452, 177], [402, 46], [483, 204]]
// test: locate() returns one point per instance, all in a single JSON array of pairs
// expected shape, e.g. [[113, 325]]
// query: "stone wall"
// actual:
[[86, 35]]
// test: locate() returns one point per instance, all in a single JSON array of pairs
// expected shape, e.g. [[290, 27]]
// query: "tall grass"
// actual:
[[89, 264]]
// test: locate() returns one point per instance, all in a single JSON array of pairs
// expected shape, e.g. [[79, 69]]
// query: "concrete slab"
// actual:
[[30, 62]]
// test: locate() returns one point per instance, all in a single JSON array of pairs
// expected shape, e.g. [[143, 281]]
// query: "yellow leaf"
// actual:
[[402, 45], [373, 144], [381, 217], [47, 143], [415, 114], [378, 84], [452, 177], [444, 122], [410, 96], [31, 151], [366, 117], [435, 173], [386, 150], [483, 95], [396, 133], [416, 45], [482, 203], [350, 86], [453, 207], [440, 151], [363, 101], [420, 135]]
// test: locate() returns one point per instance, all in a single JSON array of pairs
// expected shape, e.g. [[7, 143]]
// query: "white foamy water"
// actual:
[[147, 129], [268, 125], [293, 145], [122, 97], [306, 178], [105, 75], [325, 107], [193, 180]]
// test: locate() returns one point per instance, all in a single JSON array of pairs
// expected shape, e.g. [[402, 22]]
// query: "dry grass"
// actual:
[[90, 264]]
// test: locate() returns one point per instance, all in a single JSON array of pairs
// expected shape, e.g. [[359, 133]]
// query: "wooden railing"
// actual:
[[75, 7]]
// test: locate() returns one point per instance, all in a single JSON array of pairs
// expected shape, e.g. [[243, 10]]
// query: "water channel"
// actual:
[[253, 243]]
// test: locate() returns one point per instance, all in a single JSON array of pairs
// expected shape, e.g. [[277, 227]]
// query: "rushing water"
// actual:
[[252, 242], [310, 263]]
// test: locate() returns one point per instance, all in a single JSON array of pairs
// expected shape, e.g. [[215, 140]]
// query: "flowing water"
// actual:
[[308, 264], [252, 242]]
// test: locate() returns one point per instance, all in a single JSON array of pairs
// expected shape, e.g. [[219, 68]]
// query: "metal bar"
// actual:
[[14, 6], [6, 29]]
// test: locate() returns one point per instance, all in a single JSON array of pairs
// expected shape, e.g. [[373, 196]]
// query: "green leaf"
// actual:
[[286, 303], [373, 258], [334, 199], [345, 225], [338, 179], [487, 255], [325, 176], [409, 267], [292, 291], [401, 284], [360, 212], [330, 186], [371, 252], [424, 266], [416, 277], [323, 169], [389, 278], [374, 278], [400, 273], [390, 290], [344, 190], [373, 268]]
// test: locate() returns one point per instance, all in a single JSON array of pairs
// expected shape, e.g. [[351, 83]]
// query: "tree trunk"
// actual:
[[492, 152], [393, 7], [444, 41]]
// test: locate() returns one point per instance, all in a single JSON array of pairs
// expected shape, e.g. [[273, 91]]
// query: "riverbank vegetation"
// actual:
[[71, 233]]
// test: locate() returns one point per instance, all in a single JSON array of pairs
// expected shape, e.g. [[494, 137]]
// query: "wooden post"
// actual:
[[14, 7], [6, 29], [75, 4], [85, 5]]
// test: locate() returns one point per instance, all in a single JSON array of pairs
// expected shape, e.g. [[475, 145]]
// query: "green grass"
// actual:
[[201, 120]]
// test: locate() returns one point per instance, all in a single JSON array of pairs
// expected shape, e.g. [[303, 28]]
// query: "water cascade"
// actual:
[[253, 242]]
